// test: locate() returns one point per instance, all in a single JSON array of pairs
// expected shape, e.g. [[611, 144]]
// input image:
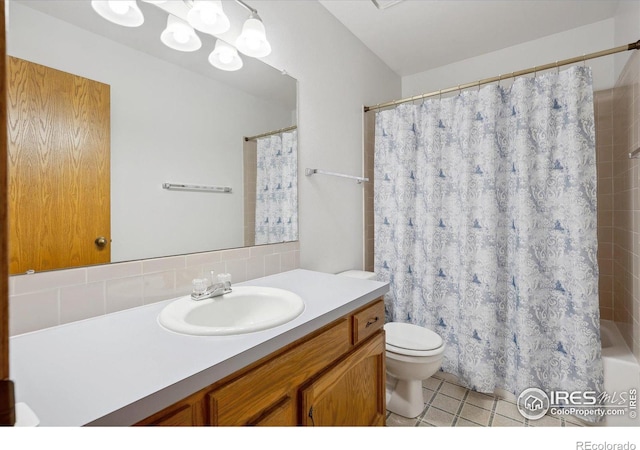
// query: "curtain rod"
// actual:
[[269, 133], [564, 62]]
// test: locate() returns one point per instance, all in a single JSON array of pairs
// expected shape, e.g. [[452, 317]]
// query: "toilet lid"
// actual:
[[411, 337]]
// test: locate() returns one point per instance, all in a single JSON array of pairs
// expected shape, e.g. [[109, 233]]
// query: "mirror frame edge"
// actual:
[[7, 400]]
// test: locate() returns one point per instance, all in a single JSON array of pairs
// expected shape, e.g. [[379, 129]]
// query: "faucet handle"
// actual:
[[199, 285], [224, 277]]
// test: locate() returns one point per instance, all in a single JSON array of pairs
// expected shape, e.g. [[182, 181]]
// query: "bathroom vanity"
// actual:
[[325, 367], [334, 376]]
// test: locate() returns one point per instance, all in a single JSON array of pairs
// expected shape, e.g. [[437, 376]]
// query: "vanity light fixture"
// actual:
[[207, 16], [253, 39], [121, 12], [225, 57], [179, 35]]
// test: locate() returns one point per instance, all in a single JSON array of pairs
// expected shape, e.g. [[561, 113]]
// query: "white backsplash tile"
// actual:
[[236, 253], [255, 267], [48, 299], [111, 271], [272, 264], [42, 281], [238, 270], [159, 286], [163, 264], [124, 293], [262, 250], [82, 302], [203, 259], [30, 312]]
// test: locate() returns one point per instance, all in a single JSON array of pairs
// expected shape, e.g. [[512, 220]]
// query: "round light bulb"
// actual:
[[119, 7], [208, 17], [181, 36], [226, 57], [253, 42]]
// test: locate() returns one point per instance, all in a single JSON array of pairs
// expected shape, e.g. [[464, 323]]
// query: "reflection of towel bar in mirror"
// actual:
[[195, 187], [635, 154], [309, 172]]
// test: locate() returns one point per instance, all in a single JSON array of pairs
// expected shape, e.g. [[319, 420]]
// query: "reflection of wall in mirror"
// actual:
[[167, 125]]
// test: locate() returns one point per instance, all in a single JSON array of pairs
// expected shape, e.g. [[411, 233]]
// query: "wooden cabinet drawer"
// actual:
[[182, 414], [367, 321], [261, 390]]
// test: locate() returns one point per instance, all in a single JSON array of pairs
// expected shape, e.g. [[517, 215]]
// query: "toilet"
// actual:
[[413, 354]]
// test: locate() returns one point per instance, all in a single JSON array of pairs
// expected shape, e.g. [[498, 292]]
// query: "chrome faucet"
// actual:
[[221, 287]]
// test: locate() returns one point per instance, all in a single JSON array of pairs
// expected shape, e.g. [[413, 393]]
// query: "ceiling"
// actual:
[[413, 36]]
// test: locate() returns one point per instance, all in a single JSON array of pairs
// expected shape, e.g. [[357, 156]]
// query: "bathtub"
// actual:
[[621, 370]]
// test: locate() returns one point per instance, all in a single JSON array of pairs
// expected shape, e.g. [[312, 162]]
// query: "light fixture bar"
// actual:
[[384, 4], [249, 8]]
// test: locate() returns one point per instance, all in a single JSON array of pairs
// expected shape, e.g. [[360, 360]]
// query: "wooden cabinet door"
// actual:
[[350, 393], [266, 394], [59, 168]]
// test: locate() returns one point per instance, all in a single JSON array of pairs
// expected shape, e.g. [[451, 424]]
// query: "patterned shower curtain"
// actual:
[[277, 189], [485, 227]]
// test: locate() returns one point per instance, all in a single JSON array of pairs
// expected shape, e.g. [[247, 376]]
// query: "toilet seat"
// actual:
[[412, 340]]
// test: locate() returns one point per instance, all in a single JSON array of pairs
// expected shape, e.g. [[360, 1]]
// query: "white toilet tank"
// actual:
[[363, 275]]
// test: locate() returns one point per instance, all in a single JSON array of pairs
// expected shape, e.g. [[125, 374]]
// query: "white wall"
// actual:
[[167, 125], [568, 44], [627, 30], [337, 75]]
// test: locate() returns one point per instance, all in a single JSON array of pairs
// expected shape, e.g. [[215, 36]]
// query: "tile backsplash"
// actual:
[[47, 299]]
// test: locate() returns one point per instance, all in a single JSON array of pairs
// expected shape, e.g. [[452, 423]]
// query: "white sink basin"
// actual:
[[246, 309]]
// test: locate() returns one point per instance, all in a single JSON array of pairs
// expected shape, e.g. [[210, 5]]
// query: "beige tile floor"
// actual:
[[447, 404]]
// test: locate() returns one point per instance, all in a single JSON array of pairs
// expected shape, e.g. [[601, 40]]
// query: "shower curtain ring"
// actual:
[[499, 79], [535, 72], [440, 95], [557, 68]]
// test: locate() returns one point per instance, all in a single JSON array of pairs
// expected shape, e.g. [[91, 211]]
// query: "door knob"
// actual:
[[101, 241]]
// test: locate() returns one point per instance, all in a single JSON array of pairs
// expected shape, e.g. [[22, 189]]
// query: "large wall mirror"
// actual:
[[166, 117]]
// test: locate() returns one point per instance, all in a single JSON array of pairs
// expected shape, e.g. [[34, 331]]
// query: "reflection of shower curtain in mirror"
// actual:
[[277, 189]]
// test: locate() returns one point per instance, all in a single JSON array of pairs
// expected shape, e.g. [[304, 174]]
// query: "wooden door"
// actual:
[[59, 168], [352, 393], [7, 402]]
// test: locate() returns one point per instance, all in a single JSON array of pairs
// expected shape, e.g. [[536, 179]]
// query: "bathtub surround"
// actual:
[[624, 138], [47, 299], [603, 111], [485, 216], [617, 113]]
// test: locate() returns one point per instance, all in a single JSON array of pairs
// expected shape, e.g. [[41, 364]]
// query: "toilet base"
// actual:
[[406, 399]]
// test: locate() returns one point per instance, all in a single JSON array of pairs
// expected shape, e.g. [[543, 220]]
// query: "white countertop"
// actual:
[[120, 368]]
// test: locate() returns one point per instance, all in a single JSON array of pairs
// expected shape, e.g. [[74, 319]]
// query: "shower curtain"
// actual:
[[485, 227], [277, 188]]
